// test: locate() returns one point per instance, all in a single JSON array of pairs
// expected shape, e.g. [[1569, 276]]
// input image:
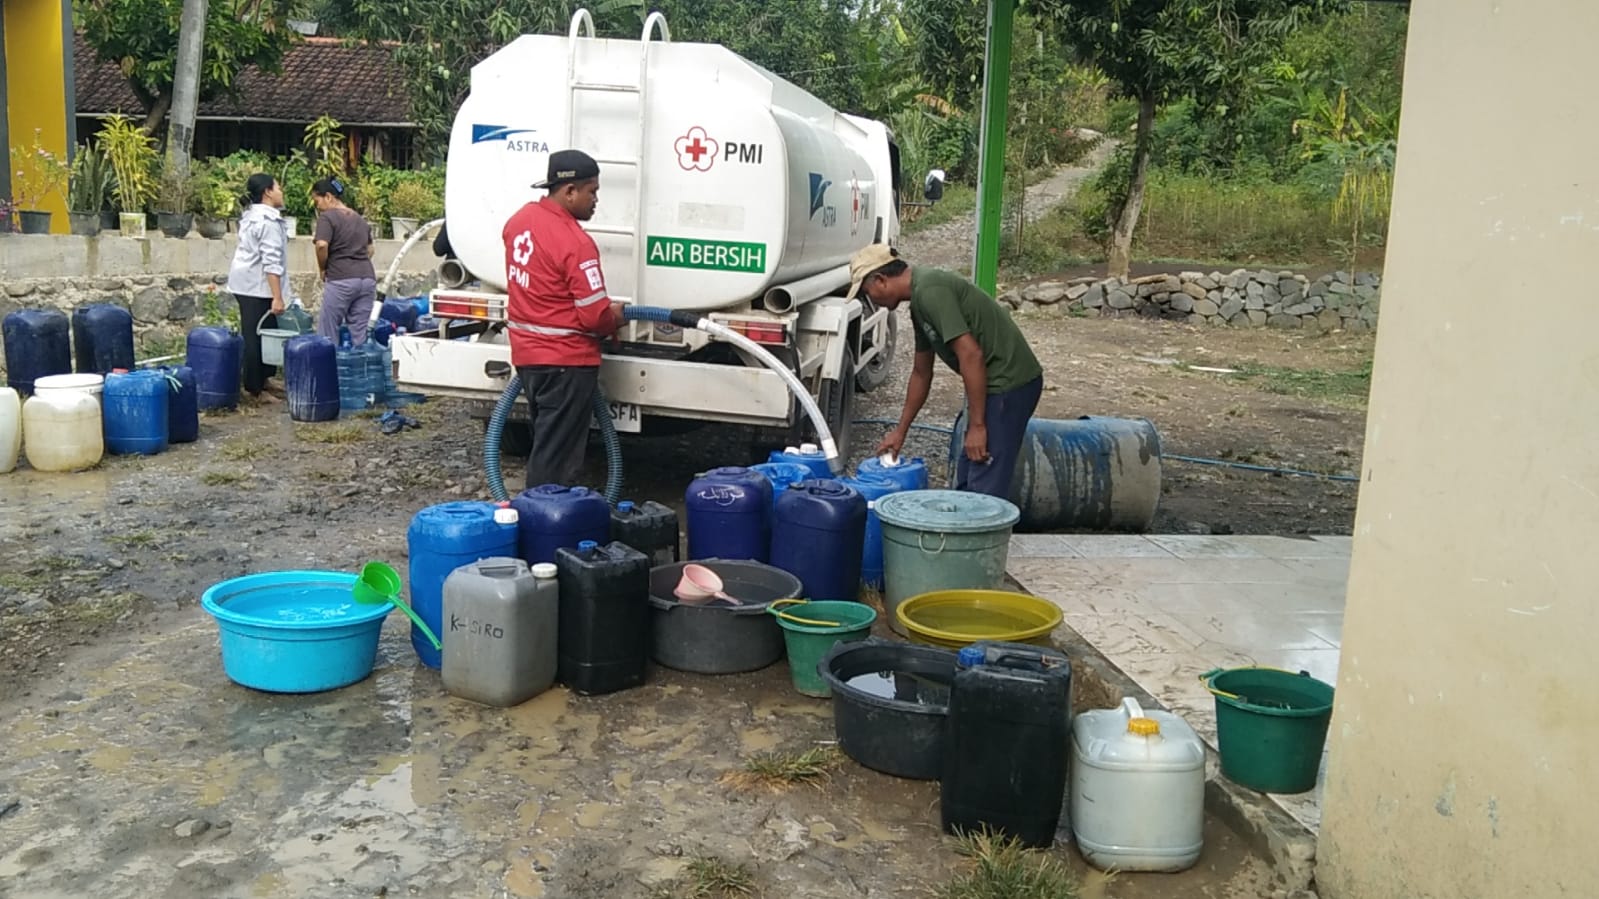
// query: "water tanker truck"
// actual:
[[725, 191]]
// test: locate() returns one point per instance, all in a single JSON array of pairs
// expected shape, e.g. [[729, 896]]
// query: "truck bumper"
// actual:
[[659, 387]]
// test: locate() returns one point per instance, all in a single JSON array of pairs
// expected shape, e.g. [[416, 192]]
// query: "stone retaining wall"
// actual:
[[1243, 298]]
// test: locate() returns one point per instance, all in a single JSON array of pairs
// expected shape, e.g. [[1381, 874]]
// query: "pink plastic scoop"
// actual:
[[700, 585]]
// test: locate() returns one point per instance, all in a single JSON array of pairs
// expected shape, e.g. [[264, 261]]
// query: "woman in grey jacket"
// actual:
[[259, 277]]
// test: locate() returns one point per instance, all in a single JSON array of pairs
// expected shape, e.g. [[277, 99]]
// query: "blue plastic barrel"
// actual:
[[552, 516], [381, 332], [401, 311], [442, 538], [214, 354], [102, 338], [311, 378], [38, 343], [909, 474], [818, 537], [782, 474], [362, 375], [1083, 473], [807, 455], [729, 515], [183, 405], [872, 489], [134, 406]]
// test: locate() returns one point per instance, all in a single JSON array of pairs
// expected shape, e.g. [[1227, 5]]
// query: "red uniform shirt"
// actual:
[[559, 309]]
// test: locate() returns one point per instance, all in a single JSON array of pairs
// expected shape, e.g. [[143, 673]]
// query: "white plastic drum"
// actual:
[[10, 428], [89, 383], [62, 430]]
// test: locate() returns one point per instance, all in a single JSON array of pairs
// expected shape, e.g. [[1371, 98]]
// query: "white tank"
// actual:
[[10, 428], [727, 179], [86, 382], [1137, 789], [62, 430]]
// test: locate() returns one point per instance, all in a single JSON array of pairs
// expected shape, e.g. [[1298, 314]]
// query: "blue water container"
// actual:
[[214, 354], [381, 332], [102, 338], [807, 455], [38, 344], [134, 406], [872, 488], [819, 536], [401, 312], [442, 538], [553, 516], [729, 515], [183, 404], [782, 474], [311, 378], [909, 474], [363, 375]]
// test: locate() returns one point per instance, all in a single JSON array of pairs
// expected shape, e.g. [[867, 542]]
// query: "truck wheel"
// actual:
[[837, 400], [515, 441], [875, 373]]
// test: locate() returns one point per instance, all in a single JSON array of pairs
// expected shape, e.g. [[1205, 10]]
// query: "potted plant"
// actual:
[[88, 184], [39, 174], [176, 201], [409, 204], [218, 204], [133, 158], [366, 196], [297, 161]]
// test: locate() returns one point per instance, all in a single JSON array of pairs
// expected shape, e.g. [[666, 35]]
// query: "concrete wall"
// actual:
[[1463, 742], [113, 256]]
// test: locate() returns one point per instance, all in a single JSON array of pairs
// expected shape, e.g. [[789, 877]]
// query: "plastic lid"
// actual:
[[506, 516], [1143, 727], [624, 506], [791, 450], [584, 546], [947, 511], [545, 569], [969, 656], [809, 449], [888, 460]]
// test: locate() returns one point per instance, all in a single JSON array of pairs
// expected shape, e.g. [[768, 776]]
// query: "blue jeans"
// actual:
[[1006, 416]]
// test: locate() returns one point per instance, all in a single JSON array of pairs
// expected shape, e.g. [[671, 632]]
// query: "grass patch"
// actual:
[[137, 539], [713, 878], [18, 582], [959, 200], [1002, 869], [223, 478], [244, 451], [331, 434], [779, 771], [1340, 388]]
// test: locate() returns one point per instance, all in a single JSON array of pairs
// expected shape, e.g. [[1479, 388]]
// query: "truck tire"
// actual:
[[875, 373], [515, 441], [837, 400]]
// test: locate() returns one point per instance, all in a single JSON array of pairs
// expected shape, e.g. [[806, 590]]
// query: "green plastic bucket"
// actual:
[[942, 540], [1271, 726], [810, 629]]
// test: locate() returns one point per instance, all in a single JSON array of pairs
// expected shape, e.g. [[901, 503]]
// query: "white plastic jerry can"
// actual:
[[10, 428], [1137, 789], [62, 431]]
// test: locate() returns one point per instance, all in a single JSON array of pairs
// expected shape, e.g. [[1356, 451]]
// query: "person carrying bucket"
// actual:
[[955, 320], [258, 277]]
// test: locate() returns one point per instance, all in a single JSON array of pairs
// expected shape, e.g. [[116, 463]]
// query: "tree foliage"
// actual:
[[141, 38]]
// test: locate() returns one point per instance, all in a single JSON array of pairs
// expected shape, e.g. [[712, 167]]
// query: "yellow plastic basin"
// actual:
[[955, 618]]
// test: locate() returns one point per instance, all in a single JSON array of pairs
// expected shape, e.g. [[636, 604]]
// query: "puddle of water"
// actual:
[[902, 686]]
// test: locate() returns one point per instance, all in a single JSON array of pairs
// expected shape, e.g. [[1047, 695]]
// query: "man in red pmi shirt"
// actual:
[[559, 311]]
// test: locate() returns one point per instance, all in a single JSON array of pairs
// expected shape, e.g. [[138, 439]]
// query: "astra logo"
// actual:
[[819, 186], [507, 135]]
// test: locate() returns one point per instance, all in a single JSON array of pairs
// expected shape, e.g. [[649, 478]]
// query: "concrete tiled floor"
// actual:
[[1168, 608]]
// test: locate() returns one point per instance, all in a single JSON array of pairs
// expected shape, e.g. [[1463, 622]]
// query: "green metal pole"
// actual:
[[991, 149]]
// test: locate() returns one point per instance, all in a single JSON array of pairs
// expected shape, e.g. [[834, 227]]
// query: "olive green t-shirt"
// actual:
[[944, 306]]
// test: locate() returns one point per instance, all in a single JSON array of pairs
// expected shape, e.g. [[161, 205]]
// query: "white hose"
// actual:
[[824, 435], [394, 266]]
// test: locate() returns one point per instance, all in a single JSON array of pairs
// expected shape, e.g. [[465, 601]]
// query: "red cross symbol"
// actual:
[[696, 150]]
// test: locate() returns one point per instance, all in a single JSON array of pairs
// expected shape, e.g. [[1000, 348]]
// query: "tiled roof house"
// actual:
[[358, 84]]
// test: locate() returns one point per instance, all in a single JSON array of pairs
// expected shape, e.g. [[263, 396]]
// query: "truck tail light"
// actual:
[[760, 331], [463, 304]]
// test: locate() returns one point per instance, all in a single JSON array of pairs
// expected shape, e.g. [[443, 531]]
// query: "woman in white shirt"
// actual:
[[259, 278]]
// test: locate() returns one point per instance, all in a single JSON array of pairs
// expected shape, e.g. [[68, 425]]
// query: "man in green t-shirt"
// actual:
[[963, 326]]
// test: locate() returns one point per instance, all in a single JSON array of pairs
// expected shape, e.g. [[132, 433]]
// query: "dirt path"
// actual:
[[950, 244]]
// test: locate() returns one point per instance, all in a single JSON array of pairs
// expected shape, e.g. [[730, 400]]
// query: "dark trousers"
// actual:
[[1007, 415], [559, 407], [250, 311]]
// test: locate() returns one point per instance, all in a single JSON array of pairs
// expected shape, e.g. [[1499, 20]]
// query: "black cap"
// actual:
[[567, 166]]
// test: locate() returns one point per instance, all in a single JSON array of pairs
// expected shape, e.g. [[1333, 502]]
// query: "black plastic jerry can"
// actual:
[[604, 621], [1007, 741], [648, 527]]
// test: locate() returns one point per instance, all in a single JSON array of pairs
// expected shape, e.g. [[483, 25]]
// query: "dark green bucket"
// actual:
[[1271, 726], [810, 629]]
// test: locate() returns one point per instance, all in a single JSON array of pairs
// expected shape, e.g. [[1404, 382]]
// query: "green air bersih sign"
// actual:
[[716, 255]]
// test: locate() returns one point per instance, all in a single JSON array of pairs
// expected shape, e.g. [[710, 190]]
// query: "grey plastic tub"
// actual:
[[720, 639]]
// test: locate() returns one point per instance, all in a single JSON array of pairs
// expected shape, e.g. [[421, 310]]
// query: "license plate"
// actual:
[[626, 417]]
